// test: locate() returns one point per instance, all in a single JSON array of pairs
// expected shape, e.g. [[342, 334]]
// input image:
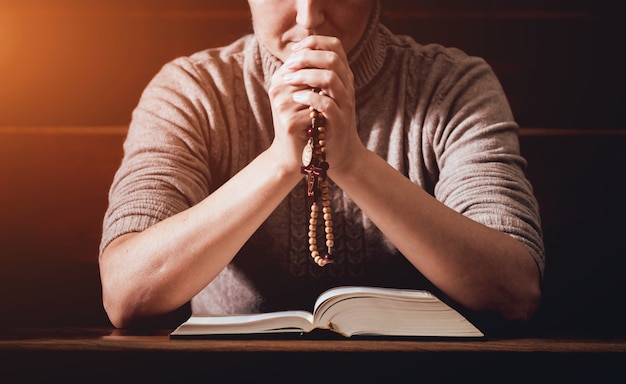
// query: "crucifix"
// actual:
[[313, 175]]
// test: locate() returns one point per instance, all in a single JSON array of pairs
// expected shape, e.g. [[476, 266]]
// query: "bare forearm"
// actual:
[[158, 270], [481, 268]]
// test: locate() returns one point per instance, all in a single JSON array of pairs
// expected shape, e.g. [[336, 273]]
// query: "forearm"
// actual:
[[479, 267], [156, 271]]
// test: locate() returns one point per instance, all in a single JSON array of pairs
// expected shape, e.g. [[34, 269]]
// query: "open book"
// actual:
[[348, 311]]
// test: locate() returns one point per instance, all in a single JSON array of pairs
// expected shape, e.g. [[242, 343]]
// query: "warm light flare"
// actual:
[[86, 63]]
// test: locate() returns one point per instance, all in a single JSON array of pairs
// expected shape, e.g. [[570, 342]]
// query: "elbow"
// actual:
[[117, 318], [136, 307], [521, 289], [121, 302], [527, 305], [514, 301], [513, 316], [124, 314], [521, 304], [117, 300], [127, 306], [120, 315]]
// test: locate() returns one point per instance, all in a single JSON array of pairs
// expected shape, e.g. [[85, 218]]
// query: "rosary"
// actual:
[[314, 166]]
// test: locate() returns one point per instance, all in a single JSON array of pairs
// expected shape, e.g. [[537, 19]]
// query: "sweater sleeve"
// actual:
[[165, 166], [476, 146]]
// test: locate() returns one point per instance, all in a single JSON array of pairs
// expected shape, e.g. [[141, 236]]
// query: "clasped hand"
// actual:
[[315, 62]]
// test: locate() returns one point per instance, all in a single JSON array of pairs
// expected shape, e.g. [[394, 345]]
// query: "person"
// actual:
[[208, 209]]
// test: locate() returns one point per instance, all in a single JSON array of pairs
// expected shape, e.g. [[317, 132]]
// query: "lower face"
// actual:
[[281, 23]]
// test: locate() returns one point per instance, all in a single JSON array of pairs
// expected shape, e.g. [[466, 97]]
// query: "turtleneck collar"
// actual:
[[365, 59]]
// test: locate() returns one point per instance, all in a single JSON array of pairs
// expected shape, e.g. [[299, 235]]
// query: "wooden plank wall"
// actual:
[[85, 62]]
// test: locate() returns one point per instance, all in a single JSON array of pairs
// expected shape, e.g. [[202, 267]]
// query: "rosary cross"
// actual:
[[313, 175]]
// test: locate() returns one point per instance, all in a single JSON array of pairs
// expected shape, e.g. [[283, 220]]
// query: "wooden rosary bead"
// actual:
[[314, 165]]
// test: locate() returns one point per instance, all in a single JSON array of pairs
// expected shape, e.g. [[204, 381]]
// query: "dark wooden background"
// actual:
[[85, 62]]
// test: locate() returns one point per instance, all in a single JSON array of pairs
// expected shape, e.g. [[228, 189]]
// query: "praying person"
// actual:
[[320, 150]]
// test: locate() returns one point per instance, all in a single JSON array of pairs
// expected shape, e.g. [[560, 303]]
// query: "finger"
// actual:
[[321, 43], [287, 114], [315, 58], [318, 100], [325, 80], [320, 69]]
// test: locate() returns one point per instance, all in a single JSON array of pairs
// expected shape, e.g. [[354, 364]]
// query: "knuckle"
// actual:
[[335, 41], [327, 79], [333, 58]]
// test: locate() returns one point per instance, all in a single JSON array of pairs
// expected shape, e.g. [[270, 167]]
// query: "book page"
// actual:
[[391, 312], [284, 321]]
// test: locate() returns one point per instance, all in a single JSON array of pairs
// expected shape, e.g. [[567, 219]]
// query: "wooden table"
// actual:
[[108, 355]]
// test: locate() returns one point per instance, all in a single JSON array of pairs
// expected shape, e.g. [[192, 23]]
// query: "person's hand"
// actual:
[[290, 121], [316, 62]]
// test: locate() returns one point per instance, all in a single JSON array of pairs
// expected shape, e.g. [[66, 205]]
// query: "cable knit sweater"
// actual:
[[437, 115]]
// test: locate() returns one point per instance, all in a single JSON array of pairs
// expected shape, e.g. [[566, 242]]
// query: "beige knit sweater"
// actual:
[[435, 114]]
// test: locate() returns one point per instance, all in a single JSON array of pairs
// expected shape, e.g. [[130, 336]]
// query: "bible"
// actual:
[[348, 311]]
